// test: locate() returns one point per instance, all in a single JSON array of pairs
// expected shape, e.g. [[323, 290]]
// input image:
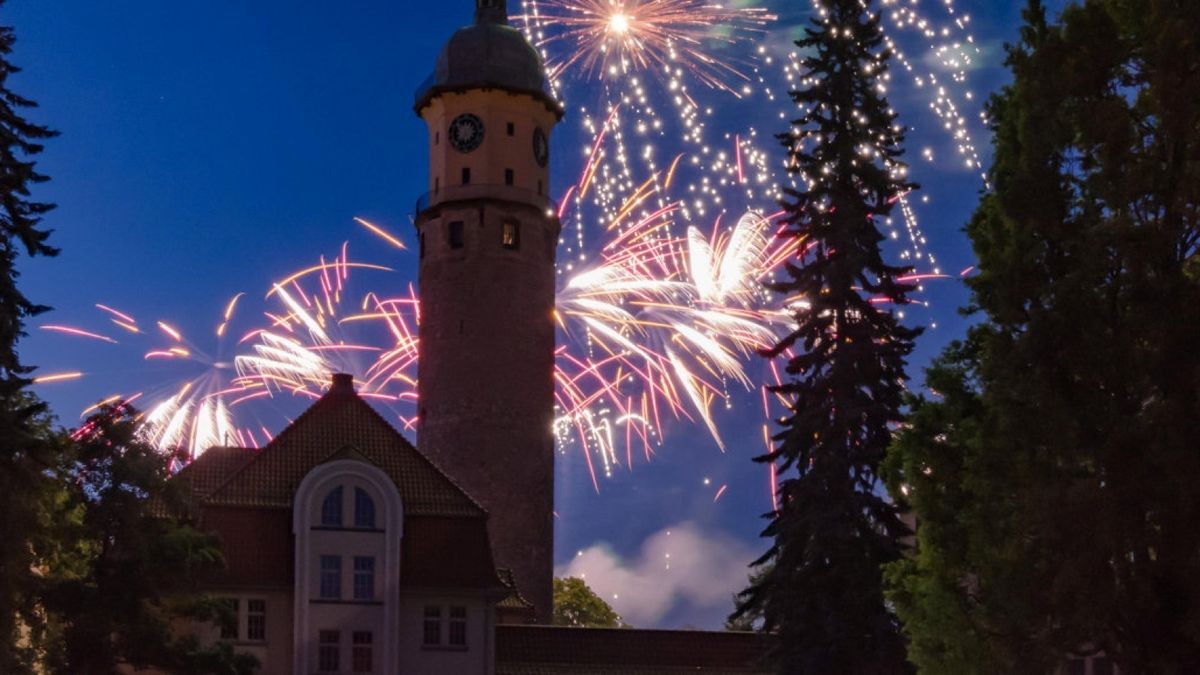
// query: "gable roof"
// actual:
[[338, 425], [211, 469]]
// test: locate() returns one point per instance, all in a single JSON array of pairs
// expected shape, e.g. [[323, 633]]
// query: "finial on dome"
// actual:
[[491, 11]]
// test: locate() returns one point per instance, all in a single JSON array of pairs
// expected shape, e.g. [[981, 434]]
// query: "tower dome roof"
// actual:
[[486, 54]]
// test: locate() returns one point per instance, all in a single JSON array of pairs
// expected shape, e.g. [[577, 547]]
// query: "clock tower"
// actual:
[[488, 234]]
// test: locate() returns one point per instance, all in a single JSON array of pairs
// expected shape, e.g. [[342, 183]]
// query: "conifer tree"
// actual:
[[23, 445], [834, 530]]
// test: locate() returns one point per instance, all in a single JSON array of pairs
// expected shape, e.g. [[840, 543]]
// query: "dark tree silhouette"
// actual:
[[1056, 480], [23, 446], [834, 530]]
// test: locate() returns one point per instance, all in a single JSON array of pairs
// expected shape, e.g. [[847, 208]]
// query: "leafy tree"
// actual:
[[1056, 482], [24, 452], [577, 605], [139, 560], [834, 530]]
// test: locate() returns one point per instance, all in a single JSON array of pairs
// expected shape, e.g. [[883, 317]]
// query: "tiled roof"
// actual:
[[552, 650], [341, 424], [212, 468]]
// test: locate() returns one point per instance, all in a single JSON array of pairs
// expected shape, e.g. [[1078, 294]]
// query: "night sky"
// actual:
[[209, 148]]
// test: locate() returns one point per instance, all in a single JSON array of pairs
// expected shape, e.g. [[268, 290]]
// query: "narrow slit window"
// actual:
[[508, 176], [510, 235], [422, 246], [512, 129], [456, 233], [466, 175], [437, 185]]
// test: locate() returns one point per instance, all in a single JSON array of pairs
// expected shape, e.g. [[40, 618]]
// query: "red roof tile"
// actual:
[[338, 422]]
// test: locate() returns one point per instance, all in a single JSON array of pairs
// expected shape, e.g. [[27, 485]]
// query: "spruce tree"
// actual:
[[23, 445], [834, 530]]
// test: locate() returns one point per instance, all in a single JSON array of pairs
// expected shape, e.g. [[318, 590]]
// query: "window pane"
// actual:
[[256, 619], [328, 654], [364, 509], [331, 508], [331, 576], [458, 626], [229, 621], [456, 234], [362, 651], [433, 625], [510, 235], [364, 578]]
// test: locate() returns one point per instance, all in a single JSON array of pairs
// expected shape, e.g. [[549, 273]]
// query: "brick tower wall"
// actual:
[[486, 372]]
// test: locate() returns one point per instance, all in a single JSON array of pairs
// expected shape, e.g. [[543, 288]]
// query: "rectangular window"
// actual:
[[458, 627], [437, 185], [364, 578], [456, 234], [508, 176], [329, 655], [510, 235], [512, 129], [466, 175], [229, 619], [256, 620], [422, 253], [433, 626], [331, 577], [361, 657]]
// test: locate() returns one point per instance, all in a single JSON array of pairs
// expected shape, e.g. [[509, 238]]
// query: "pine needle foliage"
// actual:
[[834, 530]]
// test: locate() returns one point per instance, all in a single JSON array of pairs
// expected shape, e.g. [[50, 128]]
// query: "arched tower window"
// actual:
[[331, 508], [364, 509]]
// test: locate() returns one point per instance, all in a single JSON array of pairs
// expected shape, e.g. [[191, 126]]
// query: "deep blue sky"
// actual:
[[208, 148]]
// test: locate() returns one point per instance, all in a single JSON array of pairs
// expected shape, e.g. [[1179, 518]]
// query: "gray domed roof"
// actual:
[[487, 54]]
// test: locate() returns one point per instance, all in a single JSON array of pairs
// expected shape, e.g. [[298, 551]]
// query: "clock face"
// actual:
[[466, 132], [541, 149]]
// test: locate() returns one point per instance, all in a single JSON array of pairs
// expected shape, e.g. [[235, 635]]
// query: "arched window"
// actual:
[[364, 509], [331, 508]]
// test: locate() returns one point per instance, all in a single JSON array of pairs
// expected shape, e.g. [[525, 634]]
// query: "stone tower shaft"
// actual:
[[488, 235]]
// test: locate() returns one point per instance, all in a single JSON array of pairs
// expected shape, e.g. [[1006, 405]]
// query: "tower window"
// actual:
[[331, 508], [512, 130], [437, 137], [456, 234], [508, 176], [510, 235], [422, 246], [364, 509], [437, 185], [331, 577], [466, 175], [329, 653], [539, 187]]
